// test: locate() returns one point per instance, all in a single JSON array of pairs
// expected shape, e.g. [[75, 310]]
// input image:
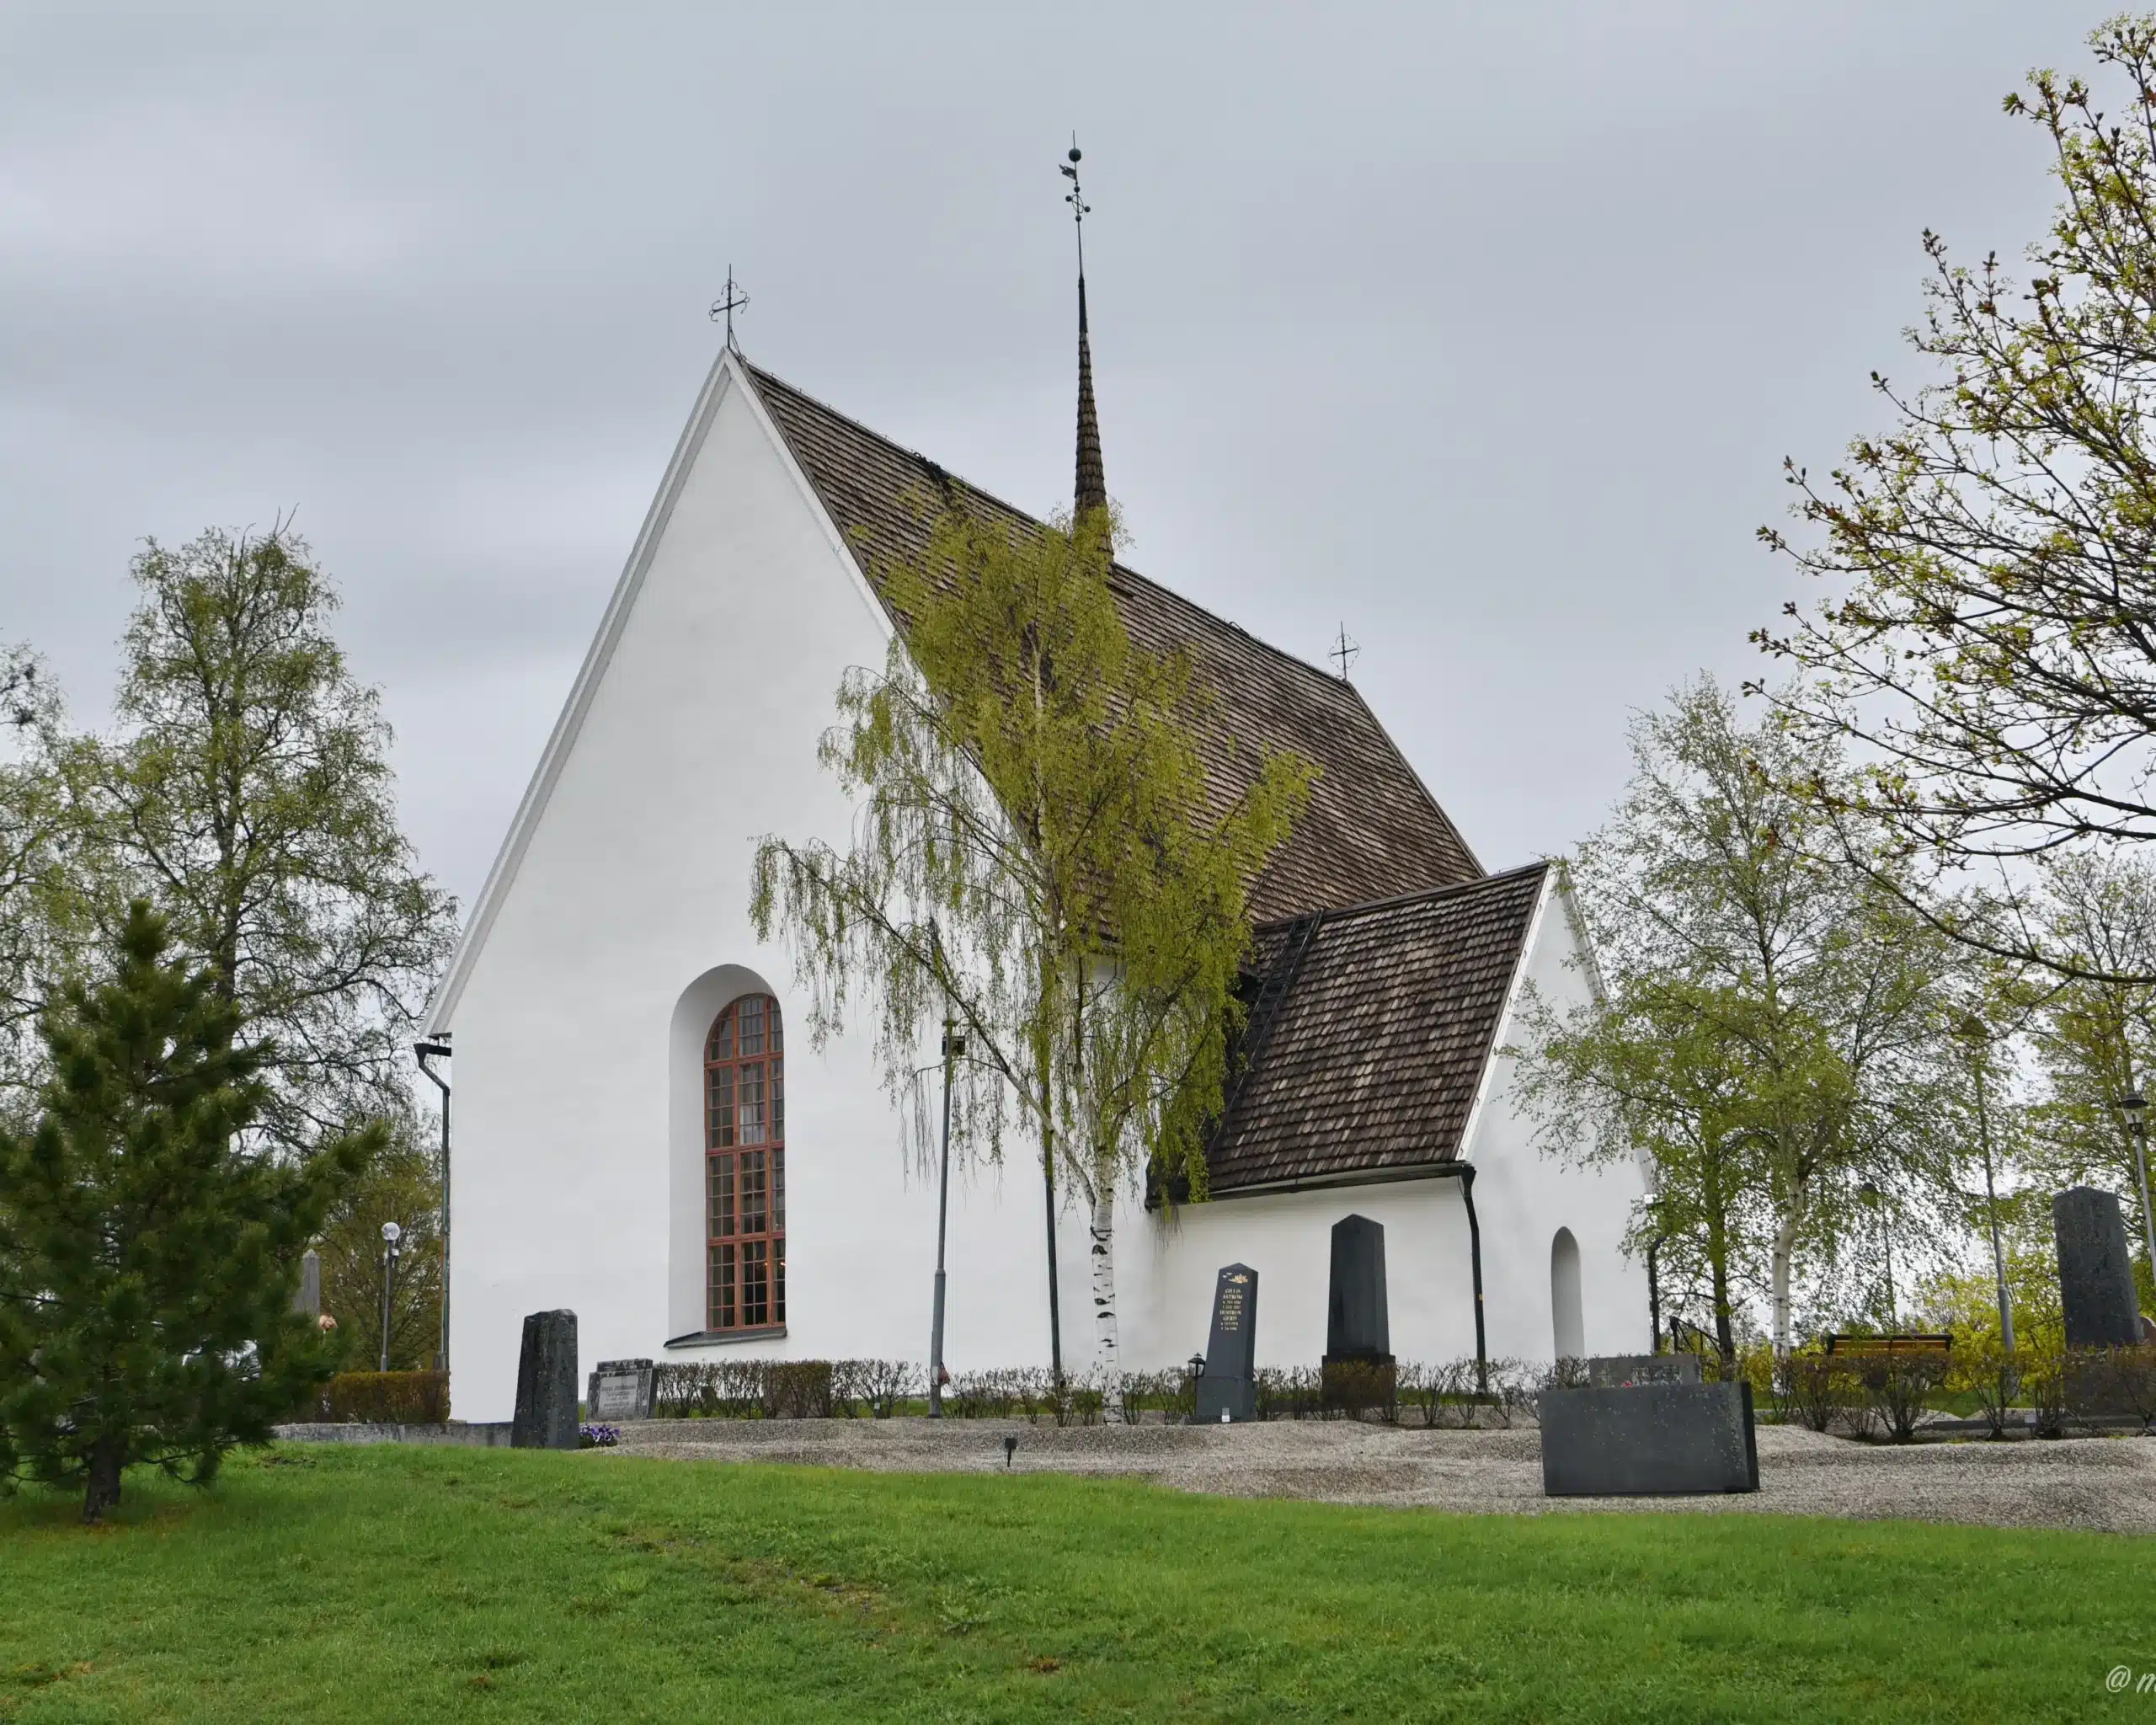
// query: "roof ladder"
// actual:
[[1278, 979]]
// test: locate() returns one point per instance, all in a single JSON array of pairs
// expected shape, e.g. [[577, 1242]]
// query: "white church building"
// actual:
[[645, 1135]]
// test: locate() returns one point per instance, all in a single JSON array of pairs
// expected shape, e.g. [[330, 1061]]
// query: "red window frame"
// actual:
[[744, 1167]]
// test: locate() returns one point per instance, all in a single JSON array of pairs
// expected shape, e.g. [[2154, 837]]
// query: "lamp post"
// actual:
[[1974, 1034], [437, 1047], [2135, 1105], [1874, 1196], [954, 1044], [391, 1234]]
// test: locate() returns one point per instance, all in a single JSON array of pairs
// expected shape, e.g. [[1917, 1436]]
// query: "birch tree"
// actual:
[[1038, 854], [1809, 1035], [248, 796], [1985, 641]]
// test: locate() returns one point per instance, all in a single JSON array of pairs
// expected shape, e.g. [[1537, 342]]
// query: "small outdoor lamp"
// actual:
[[391, 1234], [1197, 1366]]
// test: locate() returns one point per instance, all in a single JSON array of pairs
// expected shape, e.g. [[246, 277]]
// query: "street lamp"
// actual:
[[2135, 1104], [391, 1234], [1974, 1034], [1874, 1196], [954, 1044]]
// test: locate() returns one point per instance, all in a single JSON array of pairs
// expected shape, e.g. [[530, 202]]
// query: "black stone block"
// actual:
[[546, 1384], [1356, 1326], [1229, 1388], [2095, 1275], [1648, 1441]]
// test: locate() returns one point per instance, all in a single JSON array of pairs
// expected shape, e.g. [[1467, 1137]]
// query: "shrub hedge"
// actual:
[[385, 1398]]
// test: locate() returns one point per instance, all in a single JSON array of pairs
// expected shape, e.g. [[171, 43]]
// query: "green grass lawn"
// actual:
[[332, 1584]]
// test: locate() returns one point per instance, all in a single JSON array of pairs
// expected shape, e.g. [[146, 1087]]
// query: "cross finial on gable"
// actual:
[[734, 300], [1344, 653]]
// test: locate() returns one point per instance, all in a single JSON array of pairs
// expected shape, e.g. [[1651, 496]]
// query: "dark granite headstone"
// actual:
[[1648, 1441], [546, 1384], [1356, 1327], [1228, 1391], [1357, 1365], [619, 1389], [2095, 1275], [1619, 1371]]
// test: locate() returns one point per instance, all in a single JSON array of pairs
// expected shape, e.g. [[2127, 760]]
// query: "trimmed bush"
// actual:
[[385, 1398]]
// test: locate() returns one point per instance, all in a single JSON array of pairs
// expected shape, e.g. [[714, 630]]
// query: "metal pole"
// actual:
[[1991, 1203], [1654, 1298], [424, 1050], [388, 1279], [1055, 1307], [951, 1046]]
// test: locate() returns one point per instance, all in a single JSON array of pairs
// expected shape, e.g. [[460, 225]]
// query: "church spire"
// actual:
[[1092, 492]]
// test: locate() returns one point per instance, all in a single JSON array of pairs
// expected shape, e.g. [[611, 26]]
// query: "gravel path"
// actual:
[[2104, 1483]]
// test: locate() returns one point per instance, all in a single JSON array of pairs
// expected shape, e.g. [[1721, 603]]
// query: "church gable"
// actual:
[[1370, 1033], [1372, 830]]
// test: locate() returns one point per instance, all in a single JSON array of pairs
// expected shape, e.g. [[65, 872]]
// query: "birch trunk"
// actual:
[[1106, 1347], [1785, 1250]]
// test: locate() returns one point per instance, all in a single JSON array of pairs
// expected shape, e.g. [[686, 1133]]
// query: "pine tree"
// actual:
[[148, 1260]]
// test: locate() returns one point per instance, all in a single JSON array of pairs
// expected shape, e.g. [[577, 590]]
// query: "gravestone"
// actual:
[[546, 1384], [619, 1389], [307, 1296], [2095, 1275], [1358, 1365], [1228, 1390], [1619, 1371], [1648, 1441]]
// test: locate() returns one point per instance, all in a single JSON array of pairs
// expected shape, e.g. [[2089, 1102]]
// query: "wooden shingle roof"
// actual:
[[1386, 1016], [1372, 831]]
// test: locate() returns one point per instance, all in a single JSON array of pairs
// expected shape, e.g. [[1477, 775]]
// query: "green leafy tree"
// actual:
[[149, 1259], [1654, 1071], [1988, 646], [43, 910], [402, 1185], [250, 797], [2094, 1029], [1038, 854], [1771, 1017]]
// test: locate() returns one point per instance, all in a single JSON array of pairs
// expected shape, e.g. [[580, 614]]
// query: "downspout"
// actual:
[[439, 1048], [1474, 1259]]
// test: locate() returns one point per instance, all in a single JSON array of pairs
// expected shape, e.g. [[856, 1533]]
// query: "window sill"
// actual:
[[719, 1338]]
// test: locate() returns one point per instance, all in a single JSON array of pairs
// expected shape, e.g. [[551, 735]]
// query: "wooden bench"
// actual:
[[1911, 1343]]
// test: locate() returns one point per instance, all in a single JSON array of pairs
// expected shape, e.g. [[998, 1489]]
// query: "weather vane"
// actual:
[[1080, 208], [735, 301], [1344, 652]]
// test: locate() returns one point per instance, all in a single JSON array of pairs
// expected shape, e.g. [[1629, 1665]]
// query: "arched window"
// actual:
[[1567, 1318], [744, 1157]]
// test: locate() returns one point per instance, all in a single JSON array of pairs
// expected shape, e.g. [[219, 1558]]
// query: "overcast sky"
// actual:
[[1482, 329]]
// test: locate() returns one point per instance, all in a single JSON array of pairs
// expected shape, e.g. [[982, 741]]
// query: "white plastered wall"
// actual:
[[619, 914], [1522, 1198]]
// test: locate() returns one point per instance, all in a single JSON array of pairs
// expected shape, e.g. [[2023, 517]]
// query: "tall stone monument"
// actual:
[[307, 1296], [546, 1384], [2095, 1274], [1358, 1364], [1228, 1391]]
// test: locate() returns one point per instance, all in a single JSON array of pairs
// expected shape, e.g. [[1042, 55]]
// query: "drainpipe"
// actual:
[[1475, 1258], [438, 1049]]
